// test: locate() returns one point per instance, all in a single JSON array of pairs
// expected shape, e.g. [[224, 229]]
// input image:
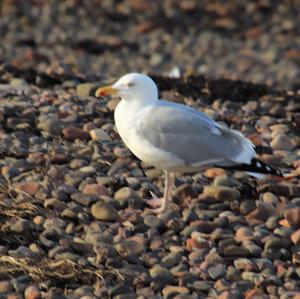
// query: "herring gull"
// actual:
[[175, 137]]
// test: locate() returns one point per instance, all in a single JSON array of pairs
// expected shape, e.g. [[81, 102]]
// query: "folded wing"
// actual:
[[192, 136]]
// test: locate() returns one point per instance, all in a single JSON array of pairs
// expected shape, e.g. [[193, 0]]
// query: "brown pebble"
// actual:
[[104, 211], [29, 188], [226, 295], [214, 172], [5, 286], [89, 126], [192, 244], [72, 133], [99, 135], [293, 217], [14, 296], [32, 292], [168, 290], [38, 220], [295, 237], [254, 293], [258, 215], [95, 189], [243, 233]]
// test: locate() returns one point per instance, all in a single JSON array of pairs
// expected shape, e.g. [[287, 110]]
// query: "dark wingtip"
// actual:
[[257, 166]]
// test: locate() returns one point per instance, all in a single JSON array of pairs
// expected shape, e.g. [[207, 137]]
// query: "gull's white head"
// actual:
[[132, 86]]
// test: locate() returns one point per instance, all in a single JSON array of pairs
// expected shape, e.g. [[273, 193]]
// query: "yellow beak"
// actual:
[[105, 90]]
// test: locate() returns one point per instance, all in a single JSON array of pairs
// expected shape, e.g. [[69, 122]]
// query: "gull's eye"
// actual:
[[130, 84]]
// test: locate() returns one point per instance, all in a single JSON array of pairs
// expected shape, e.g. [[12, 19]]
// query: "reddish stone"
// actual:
[[255, 138], [226, 295], [95, 189], [72, 133], [254, 293], [32, 293], [214, 172], [194, 244], [295, 237], [243, 233], [293, 217], [284, 223], [258, 215], [30, 188]]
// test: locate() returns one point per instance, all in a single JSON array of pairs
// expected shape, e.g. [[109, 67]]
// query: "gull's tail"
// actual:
[[257, 168]]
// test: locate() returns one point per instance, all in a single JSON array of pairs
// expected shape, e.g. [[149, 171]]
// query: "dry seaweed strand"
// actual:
[[58, 272]]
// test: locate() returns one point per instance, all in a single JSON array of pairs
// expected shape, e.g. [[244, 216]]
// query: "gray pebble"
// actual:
[[217, 271], [104, 211]]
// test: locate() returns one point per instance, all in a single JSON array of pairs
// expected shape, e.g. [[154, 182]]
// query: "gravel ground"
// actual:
[[73, 222], [255, 41]]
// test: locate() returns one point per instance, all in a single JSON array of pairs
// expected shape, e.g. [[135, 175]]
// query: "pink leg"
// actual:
[[161, 204]]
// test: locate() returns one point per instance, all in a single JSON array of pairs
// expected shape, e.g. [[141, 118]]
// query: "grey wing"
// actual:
[[192, 138]]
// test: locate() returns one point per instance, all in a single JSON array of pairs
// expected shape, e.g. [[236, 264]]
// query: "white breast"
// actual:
[[125, 120]]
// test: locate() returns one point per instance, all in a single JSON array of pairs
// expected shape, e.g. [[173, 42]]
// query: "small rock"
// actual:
[[104, 211], [54, 203], [234, 250], [78, 163], [226, 295], [23, 252], [121, 296], [88, 170], [5, 286], [202, 286], [259, 215], [168, 290], [252, 248], [120, 289], [51, 126], [72, 133], [9, 172], [153, 221], [245, 265], [21, 226], [112, 104], [279, 128], [32, 292], [85, 89], [217, 271], [171, 260], [38, 220], [221, 285], [243, 233], [161, 275], [271, 198], [293, 217], [251, 276], [224, 180], [214, 172], [130, 247], [67, 256], [84, 199], [284, 232], [29, 188], [282, 142], [99, 135], [222, 193], [295, 237], [125, 194], [277, 243], [247, 206], [194, 244], [95, 189]]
